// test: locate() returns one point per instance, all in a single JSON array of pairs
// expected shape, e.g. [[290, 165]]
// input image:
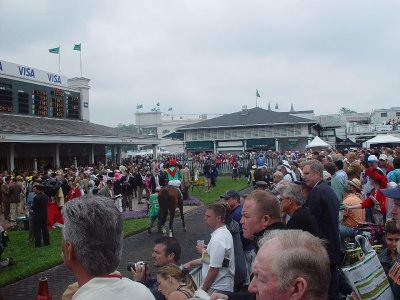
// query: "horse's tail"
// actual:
[[164, 198]]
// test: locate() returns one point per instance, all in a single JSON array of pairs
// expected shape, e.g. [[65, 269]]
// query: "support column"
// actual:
[[35, 164], [154, 151], [114, 154], [215, 147], [91, 155], [119, 154], [75, 162], [276, 145], [11, 157], [244, 145], [57, 156]]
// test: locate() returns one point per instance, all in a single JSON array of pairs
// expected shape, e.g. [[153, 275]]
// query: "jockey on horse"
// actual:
[[167, 199], [174, 175]]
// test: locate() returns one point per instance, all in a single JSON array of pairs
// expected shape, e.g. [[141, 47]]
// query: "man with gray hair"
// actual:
[[291, 201], [92, 247], [291, 264]]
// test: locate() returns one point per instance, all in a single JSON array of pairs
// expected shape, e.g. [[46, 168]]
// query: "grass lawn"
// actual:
[[30, 260], [224, 183]]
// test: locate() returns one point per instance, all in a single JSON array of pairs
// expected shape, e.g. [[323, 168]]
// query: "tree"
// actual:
[[131, 128], [346, 111]]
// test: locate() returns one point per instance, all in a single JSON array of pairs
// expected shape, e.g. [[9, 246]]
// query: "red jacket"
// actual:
[[379, 197]]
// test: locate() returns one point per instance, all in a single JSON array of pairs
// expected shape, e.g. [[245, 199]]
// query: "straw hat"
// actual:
[[356, 183]]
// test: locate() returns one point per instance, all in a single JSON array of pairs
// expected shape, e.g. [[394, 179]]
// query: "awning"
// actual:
[[268, 144], [200, 145]]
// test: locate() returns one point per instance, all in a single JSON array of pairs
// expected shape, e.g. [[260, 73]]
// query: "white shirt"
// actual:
[[220, 247], [104, 288]]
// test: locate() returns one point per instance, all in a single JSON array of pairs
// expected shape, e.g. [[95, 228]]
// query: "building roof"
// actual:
[[251, 117], [11, 125]]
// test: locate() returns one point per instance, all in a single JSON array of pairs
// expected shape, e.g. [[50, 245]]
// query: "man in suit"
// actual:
[[324, 205], [127, 183], [14, 193], [39, 216], [156, 179]]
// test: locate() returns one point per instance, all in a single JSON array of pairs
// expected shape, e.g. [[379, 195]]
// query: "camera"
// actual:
[[133, 265]]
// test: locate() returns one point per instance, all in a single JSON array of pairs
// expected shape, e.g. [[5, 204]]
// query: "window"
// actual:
[[397, 113], [384, 115], [165, 131]]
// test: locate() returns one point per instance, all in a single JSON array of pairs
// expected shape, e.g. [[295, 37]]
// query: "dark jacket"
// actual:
[[137, 180], [304, 220], [14, 193], [324, 205], [127, 185], [258, 236], [39, 207], [240, 259]]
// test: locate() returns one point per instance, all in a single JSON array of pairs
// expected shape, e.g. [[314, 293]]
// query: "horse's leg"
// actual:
[[171, 219], [180, 205]]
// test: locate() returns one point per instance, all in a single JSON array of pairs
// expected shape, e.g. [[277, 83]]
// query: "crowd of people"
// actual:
[[284, 240]]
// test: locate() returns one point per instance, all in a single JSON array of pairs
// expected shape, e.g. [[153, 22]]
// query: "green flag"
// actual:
[[139, 106], [257, 94], [170, 109], [77, 47], [55, 50], [158, 104]]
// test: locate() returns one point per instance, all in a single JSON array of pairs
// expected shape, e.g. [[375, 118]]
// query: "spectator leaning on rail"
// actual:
[[218, 257], [92, 248]]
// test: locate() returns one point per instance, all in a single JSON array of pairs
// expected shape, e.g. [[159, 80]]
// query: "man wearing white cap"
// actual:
[[394, 273], [383, 164]]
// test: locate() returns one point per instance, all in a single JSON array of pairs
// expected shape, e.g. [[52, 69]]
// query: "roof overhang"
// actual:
[[79, 139], [243, 126]]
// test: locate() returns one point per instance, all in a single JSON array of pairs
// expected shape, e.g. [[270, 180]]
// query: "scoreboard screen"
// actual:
[[38, 100]]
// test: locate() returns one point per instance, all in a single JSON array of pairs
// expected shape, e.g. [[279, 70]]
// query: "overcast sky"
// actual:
[[210, 56]]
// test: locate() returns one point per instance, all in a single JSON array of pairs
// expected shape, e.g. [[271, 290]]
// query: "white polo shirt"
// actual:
[[104, 288], [220, 247]]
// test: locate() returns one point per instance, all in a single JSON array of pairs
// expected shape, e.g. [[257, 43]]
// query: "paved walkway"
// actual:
[[135, 248]]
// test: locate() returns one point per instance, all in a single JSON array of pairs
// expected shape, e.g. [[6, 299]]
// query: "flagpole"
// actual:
[[80, 56], [59, 60], [256, 98]]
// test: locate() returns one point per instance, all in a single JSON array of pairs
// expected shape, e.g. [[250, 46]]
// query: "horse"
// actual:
[[169, 198]]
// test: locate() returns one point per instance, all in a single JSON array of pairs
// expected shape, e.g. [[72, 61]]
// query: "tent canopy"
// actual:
[[382, 139], [317, 142]]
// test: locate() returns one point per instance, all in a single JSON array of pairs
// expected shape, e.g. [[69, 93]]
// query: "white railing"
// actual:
[[197, 276]]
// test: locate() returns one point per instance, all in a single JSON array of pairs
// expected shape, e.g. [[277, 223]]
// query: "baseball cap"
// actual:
[[230, 194], [383, 157], [372, 158], [393, 193]]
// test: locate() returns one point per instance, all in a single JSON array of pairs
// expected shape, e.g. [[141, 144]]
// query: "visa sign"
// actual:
[[53, 78], [27, 72], [32, 74]]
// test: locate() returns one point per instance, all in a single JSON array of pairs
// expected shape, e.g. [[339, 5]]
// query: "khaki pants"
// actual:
[[13, 211]]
